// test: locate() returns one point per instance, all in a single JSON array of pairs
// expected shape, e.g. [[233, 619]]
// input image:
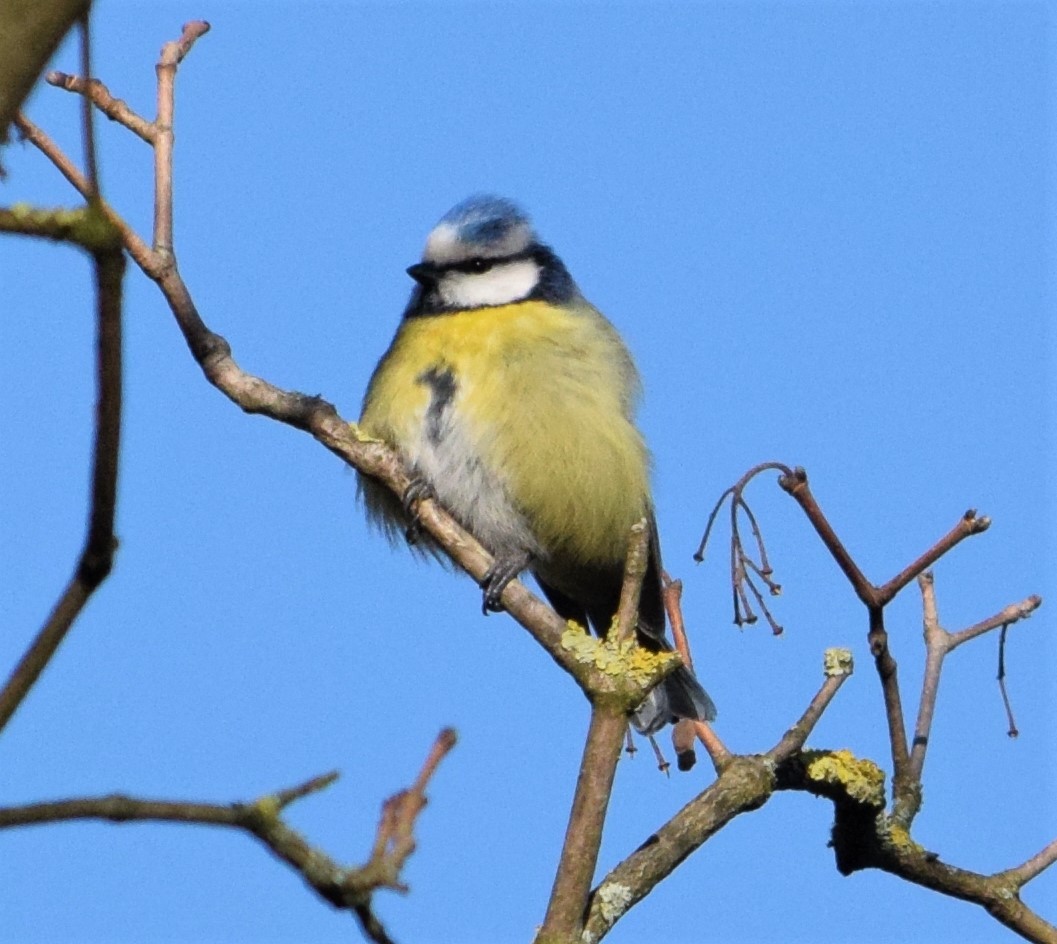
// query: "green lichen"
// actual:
[[624, 659], [862, 780], [837, 662]]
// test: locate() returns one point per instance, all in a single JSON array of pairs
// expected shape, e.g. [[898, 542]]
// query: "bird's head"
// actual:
[[483, 253]]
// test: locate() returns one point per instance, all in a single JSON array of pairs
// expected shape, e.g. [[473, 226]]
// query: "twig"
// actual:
[[97, 555], [172, 54], [939, 643], [1007, 616], [838, 666], [99, 95], [741, 562], [348, 888], [119, 808], [1013, 731], [1036, 865], [906, 785], [968, 525], [135, 246], [672, 594], [636, 561], [795, 483]]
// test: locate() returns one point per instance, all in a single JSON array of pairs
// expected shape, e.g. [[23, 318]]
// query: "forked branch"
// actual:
[[350, 888]]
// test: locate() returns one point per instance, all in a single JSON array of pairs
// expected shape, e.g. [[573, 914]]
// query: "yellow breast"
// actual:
[[544, 396]]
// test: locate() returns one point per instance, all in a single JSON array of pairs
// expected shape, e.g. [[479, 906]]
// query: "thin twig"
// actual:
[[348, 888], [796, 484], [1007, 616], [135, 246], [99, 95], [636, 561], [741, 561], [172, 54], [838, 667], [1013, 731], [968, 525], [1036, 865], [87, 122], [97, 555]]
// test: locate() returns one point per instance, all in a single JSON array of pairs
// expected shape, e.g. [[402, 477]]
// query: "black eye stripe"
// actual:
[[474, 265], [480, 264]]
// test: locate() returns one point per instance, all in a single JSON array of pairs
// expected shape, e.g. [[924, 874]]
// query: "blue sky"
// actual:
[[826, 232]]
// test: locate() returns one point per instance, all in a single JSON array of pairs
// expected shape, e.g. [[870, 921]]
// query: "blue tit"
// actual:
[[512, 399]]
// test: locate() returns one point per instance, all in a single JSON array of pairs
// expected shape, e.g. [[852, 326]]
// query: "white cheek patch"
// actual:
[[504, 283]]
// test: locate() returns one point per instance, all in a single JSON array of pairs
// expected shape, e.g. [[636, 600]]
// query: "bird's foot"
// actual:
[[418, 490], [504, 568]]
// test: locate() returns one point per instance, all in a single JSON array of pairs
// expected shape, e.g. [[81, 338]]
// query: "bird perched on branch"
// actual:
[[512, 399]]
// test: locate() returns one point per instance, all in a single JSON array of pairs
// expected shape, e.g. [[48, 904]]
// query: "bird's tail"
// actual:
[[678, 696]]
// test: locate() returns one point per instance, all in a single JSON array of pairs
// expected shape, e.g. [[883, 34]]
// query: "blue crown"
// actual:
[[484, 219]]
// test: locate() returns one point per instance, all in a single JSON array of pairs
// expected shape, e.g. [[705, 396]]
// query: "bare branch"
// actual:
[[1007, 616], [636, 561], [684, 732], [348, 888], [311, 414], [1036, 865], [745, 784], [136, 248], [172, 54], [838, 666], [99, 95], [968, 525], [795, 483], [564, 920], [97, 555], [937, 645]]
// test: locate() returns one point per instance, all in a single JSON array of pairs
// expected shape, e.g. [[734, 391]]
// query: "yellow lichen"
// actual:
[[899, 837], [614, 658], [862, 780], [837, 662], [268, 807]]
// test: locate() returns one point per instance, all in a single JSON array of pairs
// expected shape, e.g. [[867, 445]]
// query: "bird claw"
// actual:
[[503, 570], [417, 490]]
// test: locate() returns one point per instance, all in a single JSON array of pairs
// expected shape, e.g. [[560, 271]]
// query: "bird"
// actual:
[[512, 399]]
